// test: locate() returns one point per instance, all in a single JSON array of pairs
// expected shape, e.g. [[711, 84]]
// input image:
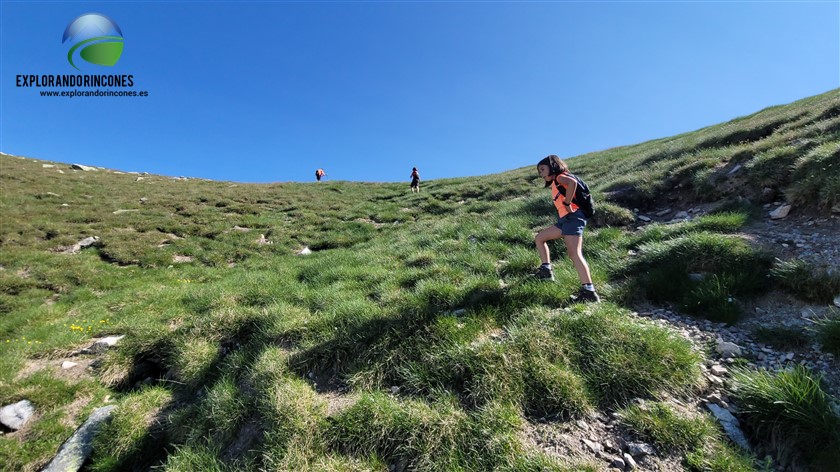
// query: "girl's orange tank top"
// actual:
[[559, 194]]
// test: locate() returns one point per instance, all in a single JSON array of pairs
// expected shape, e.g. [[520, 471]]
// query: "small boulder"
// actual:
[[76, 450], [16, 415], [730, 425], [727, 349], [780, 212], [68, 365], [87, 242], [84, 243], [718, 370], [84, 168], [640, 449], [630, 462], [304, 252], [593, 447], [102, 345]]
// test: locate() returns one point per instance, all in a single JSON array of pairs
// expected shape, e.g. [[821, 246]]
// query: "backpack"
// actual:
[[582, 198]]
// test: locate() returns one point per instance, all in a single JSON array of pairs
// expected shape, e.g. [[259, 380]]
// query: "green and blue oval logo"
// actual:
[[97, 39]]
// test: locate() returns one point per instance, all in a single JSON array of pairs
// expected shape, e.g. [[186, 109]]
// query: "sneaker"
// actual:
[[544, 273], [586, 296]]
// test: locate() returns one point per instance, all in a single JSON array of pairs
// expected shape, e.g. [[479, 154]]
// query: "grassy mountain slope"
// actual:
[[413, 337]]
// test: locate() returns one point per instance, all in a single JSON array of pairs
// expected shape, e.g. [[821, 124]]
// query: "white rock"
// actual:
[[735, 169], [629, 461], [837, 301], [727, 349], [103, 344], [681, 215], [719, 370], [16, 415], [75, 450], [305, 251], [644, 218], [730, 425], [88, 242], [68, 365], [47, 166], [84, 168], [593, 447], [639, 449], [780, 212], [714, 379]]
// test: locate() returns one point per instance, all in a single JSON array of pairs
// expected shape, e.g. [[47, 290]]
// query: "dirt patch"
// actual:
[[80, 371], [338, 402], [73, 409]]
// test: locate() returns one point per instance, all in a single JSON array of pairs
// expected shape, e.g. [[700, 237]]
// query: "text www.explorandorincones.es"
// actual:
[[94, 93]]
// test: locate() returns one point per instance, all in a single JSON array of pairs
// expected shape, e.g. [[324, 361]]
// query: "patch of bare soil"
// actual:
[[73, 374]]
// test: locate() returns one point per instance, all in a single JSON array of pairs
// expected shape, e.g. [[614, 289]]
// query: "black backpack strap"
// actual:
[[558, 189], [574, 197]]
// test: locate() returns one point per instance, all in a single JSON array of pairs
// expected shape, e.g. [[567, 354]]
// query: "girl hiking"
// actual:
[[415, 180], [570, 226], [319, 173]]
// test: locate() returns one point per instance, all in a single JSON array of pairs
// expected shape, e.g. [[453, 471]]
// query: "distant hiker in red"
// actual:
[[572, 205], [319, 173], [415, 180]]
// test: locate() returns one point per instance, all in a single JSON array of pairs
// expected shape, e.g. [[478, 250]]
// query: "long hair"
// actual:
[[555, 165]]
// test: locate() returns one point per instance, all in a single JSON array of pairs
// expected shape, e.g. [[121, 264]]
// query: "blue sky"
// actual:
[[270, 91]]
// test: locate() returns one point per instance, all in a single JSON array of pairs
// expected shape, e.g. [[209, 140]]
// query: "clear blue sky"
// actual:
[[270, 91]]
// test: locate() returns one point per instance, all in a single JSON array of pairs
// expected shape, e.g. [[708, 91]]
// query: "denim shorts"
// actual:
[[572, 224]]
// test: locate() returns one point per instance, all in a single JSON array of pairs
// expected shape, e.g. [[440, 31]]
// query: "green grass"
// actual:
[[806, 281], [698, 438], [828, 332], [791, 411], [728, 268], [250, 357]]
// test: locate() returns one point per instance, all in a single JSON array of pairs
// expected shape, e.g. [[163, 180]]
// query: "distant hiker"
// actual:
[[319, 173], [415, 180], [570, 226]]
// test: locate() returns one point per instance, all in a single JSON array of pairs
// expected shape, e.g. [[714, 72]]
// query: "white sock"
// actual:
[[589, 287]]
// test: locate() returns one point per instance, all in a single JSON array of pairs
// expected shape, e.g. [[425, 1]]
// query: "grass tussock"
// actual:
[[703, 272], [828, 332], [806, 281], [697, 438], [791, 412]]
